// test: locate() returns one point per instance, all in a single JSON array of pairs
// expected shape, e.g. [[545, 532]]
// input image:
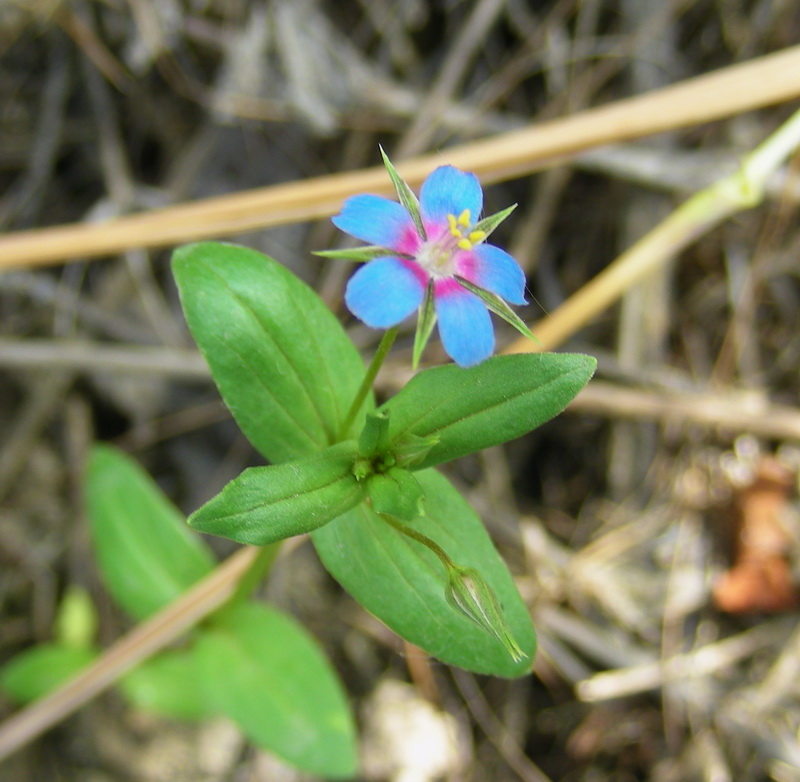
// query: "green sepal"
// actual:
[[498, 306], [374, 437], [488, 224], [472, 409], [397, 493], [411, 450], [405, 194], [357, 254], [425, 323], [267, 504]]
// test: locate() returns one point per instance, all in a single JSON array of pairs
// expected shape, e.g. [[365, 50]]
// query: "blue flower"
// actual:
[[440, 250]]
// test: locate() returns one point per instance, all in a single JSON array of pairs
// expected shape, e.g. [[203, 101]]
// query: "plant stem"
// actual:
[[741, 190], [420, 538], [369, 378]]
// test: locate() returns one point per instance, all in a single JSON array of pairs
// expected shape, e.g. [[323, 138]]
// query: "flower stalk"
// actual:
[[468, 592]]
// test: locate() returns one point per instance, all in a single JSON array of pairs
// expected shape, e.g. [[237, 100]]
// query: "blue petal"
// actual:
[[375, 220], [465, 327], [496, 271], [449, 191], [383, 292]]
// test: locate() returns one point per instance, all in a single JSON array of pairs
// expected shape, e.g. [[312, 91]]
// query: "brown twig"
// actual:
[[141, 642], [742, 190], [761, 82], [730, 411], [758, 83]]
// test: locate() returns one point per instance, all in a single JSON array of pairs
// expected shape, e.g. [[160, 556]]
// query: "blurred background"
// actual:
[[653, 528]]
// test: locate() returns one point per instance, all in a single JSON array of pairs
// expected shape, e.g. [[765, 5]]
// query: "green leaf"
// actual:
[[281, 360], [405, 194], [146, 554], [405, 585], [412, 450], [265, 672], [169, 684], [266, 504], [498, 400], [76, 621], [42, 669]]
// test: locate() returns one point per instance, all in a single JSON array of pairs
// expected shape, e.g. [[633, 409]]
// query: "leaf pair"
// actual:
[[442, 414]]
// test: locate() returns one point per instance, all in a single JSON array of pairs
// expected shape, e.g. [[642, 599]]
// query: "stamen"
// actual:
[[477, 236], [464, 219], [465, 244]]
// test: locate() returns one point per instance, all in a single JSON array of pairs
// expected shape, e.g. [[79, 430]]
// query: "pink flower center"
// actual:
[[437, 255]]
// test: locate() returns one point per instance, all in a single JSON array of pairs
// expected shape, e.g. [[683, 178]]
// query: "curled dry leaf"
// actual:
[[761, 578]]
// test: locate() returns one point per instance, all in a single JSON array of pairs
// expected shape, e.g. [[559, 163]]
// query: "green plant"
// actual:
[[360, 478]]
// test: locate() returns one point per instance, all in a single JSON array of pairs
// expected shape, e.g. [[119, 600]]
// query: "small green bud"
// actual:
[[468, 592], [362, 468], [374, 437], [76, 621]]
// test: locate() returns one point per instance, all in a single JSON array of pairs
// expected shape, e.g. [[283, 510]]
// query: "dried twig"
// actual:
[[742, 190], [761, 82], [144, 640]]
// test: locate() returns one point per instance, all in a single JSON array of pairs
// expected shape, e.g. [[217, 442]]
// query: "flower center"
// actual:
[[437, 256]]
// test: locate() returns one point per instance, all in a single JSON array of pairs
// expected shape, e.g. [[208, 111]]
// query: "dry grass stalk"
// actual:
[[741, 190], [144, 640], [740, 88], [760, 82]]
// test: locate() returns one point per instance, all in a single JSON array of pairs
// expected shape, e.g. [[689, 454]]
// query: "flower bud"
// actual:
[[468, 592]]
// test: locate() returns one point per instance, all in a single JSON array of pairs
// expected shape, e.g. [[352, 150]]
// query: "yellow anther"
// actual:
[[465, 244], [477, 236], [451, 219], [464, 219]]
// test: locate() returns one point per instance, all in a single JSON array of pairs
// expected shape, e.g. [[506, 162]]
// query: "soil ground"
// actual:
[[633, 523]]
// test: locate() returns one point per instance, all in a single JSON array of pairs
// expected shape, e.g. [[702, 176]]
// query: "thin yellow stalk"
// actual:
[[761, 82], [144, 640], [764, 81], [735, 193]]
